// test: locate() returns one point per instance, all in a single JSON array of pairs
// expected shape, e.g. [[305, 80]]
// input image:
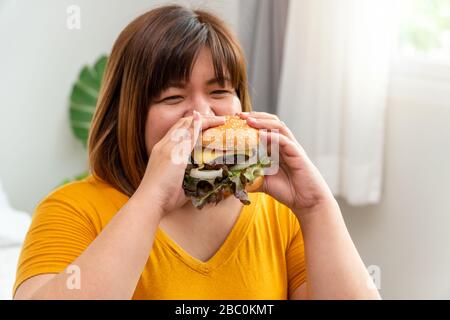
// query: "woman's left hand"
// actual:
[[298, 184]]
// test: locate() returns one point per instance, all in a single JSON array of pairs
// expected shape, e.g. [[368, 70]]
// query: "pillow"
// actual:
[[13, 223]]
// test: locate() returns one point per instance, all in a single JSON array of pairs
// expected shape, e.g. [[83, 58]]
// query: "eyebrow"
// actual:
[[182, 84]]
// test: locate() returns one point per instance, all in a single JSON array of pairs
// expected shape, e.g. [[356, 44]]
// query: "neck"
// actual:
[[230, 203]]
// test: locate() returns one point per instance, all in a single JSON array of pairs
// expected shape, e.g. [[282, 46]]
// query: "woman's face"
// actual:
[[201, 93]]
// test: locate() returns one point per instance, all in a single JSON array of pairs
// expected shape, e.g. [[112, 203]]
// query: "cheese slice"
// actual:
[[209, 155]]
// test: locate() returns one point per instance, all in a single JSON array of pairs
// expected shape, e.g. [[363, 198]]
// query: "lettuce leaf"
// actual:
[[203, 192]]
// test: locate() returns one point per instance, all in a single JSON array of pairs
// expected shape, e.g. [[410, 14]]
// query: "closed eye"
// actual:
[[220, 92], [173, 99]]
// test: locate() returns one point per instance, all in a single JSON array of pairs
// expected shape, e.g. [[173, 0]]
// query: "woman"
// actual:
[[128, 231]]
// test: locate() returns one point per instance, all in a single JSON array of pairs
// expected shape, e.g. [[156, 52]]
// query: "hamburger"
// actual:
[[227, 160]]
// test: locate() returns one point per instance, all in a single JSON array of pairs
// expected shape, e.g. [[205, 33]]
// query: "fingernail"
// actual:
[[251, 119]]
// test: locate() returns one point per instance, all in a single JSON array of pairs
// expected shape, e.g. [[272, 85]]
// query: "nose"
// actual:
[[205, 111], [203, 106]]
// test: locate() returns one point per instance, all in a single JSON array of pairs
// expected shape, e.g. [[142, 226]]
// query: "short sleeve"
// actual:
[[59, 232], [295, 257]]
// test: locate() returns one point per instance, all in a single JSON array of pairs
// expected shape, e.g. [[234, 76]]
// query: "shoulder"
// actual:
[[89, 189], [88, 199]]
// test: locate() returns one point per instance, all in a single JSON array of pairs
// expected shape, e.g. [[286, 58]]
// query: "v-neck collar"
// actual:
[[231, 243]]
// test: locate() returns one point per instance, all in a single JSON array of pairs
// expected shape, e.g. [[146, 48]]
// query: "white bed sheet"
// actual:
[[8, 263]]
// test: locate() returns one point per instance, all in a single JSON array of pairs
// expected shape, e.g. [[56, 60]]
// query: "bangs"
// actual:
[[175, 60]]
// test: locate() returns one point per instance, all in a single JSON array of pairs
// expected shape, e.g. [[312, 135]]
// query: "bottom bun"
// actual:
[[257, 183]]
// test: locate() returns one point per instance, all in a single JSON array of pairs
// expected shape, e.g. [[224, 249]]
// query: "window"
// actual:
[[424, 32], [421, 65]]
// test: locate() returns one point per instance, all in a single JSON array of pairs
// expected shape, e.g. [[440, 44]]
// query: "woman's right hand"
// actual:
[[163, 178]]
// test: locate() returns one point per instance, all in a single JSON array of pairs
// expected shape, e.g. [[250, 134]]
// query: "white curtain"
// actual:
[[333, 89]]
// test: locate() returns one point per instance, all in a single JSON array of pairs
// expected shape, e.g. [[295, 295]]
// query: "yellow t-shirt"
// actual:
[[261, 258]]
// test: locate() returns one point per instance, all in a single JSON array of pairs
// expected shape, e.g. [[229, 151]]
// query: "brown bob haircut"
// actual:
[[155, 49]]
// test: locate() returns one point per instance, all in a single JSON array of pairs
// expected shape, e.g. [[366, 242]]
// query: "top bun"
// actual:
[[235, 135]]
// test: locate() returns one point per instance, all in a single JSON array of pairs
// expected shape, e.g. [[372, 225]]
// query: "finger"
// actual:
[[287, 147], [196, 124], [206, 122], [271, 124], [257, 114], [181, 123], [264, 115], [211, 121], [187, 130], [181, 139], [200, 123], [196, 127]]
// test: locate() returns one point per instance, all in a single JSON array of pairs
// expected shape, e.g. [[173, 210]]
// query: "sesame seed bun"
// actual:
[[235, 135]]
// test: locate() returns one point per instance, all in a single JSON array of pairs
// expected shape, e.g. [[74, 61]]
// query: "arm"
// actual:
[[335, 269], [301, 293], [110, 267], [333, 265], [112, 264]]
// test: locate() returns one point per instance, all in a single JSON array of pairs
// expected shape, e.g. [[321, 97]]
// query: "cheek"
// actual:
[[236, 105], [228, 106]]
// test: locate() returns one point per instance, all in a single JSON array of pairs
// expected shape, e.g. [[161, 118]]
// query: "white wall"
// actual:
[[39, 61], [408, 233]]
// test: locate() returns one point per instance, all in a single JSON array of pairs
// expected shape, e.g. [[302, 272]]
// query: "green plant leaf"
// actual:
[[83, 98]]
